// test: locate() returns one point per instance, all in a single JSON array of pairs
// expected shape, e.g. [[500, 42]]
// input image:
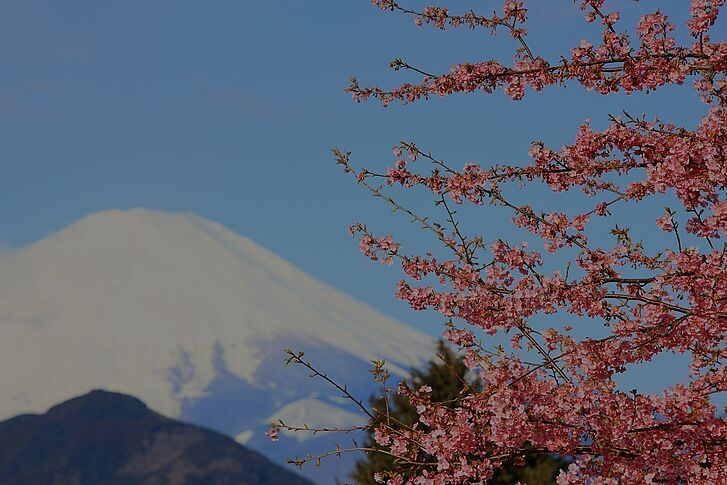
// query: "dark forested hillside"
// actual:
[[110, 438]]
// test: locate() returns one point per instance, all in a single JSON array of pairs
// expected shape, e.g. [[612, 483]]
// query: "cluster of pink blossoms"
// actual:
[[614, 65], [553, 393]]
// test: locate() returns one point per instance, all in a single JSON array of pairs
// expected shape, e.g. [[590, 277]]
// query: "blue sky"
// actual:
[[229, 109]]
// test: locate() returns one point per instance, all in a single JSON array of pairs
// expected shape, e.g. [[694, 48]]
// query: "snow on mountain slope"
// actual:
[[162, 306]]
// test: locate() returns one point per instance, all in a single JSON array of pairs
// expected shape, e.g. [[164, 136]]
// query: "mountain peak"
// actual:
[[99, 403], [118, 227], [187, 315]]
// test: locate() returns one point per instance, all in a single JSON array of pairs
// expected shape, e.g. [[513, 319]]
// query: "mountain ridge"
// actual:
[[112, 438]]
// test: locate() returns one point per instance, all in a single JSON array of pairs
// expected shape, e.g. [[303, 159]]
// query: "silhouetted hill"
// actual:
[[114, 439]]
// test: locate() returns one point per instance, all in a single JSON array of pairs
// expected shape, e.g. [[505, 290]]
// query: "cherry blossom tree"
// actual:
[[552, 390]]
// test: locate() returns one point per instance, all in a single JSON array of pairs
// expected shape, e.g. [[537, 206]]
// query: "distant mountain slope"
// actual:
[[114, 439], [144, 301], [193, 319]]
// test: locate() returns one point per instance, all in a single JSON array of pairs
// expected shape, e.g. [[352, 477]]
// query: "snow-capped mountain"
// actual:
[[191, 318]]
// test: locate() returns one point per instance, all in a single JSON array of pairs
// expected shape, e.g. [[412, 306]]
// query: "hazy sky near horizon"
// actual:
[[229, 109]]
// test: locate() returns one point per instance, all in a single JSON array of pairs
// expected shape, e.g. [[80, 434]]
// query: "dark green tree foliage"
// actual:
[[448, 377]]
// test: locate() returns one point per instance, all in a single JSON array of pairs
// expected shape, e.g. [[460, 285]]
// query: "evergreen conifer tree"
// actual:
[[448, 377]]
